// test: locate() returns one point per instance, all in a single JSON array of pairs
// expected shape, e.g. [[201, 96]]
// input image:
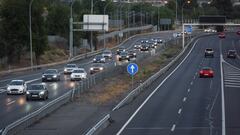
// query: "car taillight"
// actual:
[[211, 72], [201, 72]]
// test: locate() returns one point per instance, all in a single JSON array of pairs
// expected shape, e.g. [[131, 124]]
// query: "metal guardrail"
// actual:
[[99, 125], [26, 121]]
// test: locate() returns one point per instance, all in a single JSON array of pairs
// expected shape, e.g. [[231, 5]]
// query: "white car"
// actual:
[[16, 87], [78, 74], [107, 54], [69, 68]]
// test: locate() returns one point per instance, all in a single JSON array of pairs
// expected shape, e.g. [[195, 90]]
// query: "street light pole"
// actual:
[[104, 32], [71, 31], [30, 32], [176, 13]]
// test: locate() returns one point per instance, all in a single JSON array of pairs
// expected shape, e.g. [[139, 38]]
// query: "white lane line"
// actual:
[[211, 83], [232, 81], [180, 111], [146, 100], [51, 84], [184, 99], [173, 127], [191, 82], [30, 81], [9, 103], [232, 86], [194, 77], [196, 73], [222, 93], [189, 90]]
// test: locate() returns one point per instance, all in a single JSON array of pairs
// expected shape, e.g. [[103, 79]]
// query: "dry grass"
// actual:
[[112, 89]]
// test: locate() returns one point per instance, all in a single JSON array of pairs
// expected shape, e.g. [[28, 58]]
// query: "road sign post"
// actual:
[[132, 69]]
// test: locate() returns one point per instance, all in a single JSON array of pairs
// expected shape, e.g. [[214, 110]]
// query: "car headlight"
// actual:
[[27, 92], [101, 68], [8, 88], [134, 54], [102, 59], [91, 68], [43, 76], [65, 70], [127, 56], [120, 56], [41, 93], [94, 59], [55, 76]]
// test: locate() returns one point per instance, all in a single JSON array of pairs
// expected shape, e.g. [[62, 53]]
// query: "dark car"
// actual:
[[206, 72], [145, 47], [124, 56], [37, 91], [158, 40], [137, 45], [209, 52], [95, 68], [152, 44], [99, 59], [232, 54], [51, 75], [121, 49], [144, 41], [132, 54]]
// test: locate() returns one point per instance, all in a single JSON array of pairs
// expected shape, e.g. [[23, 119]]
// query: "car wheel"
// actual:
[[47, 97], [27, 99]]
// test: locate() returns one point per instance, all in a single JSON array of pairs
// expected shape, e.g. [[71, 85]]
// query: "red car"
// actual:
[[221, 35], [206, 72], [238, 32]]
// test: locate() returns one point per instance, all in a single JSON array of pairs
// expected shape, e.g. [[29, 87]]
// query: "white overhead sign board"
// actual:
[[95, 22]]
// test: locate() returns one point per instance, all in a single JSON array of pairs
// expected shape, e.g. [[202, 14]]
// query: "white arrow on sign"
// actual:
[[132, 68]]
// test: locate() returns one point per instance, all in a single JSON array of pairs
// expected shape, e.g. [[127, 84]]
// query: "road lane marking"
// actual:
[[9, 103], [211, 84], [191, 82], [222, 93], [173, 127], [189, 90], [180, 111], [155, 90], [184, 99]]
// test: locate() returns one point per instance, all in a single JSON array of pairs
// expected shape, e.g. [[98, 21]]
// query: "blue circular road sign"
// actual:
[[132, 68]]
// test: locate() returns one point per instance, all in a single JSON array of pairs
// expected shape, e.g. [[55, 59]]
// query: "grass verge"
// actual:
[[112, 89]]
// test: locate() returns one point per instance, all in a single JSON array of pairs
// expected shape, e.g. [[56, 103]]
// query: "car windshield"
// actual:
[[208, 49], [16, 83], [51, 71], [123, 53], [36, 87], [97, 65], [71, 66], [206, 68], [232, 52], [98, 57], [107, 52], [78, 71]]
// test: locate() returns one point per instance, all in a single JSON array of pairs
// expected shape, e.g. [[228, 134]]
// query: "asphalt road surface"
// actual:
[[13, 107]]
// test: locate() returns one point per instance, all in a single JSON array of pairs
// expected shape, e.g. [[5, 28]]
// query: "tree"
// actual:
[[224, 7], [15, 28]]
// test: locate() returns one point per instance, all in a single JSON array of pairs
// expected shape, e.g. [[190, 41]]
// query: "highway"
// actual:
[[13, 107], [184, 104]]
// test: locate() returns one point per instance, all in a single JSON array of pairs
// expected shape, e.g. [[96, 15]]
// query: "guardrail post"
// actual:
[[73, 92]]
